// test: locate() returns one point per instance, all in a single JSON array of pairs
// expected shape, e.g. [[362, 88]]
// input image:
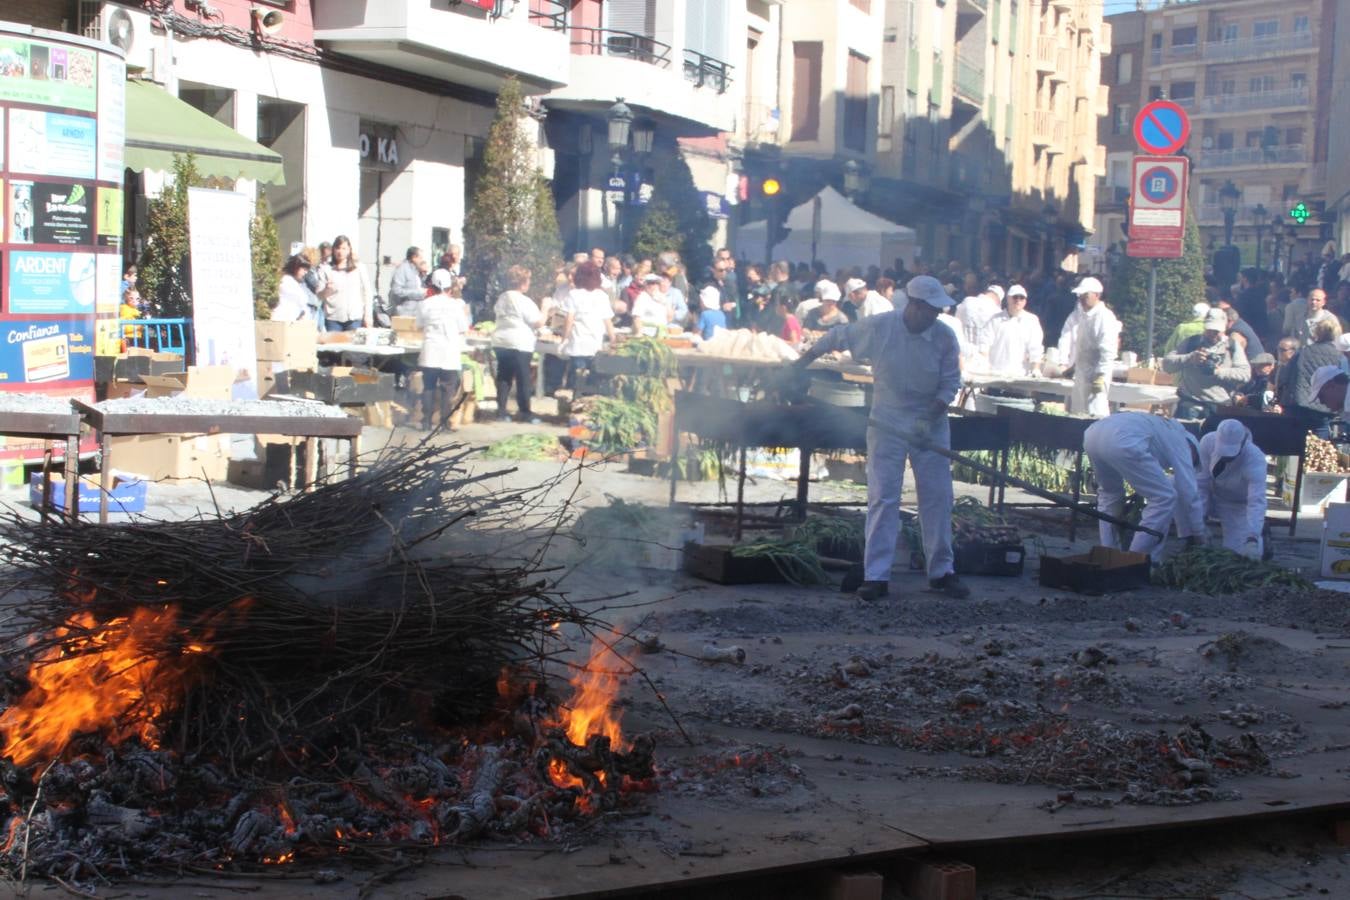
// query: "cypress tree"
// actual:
[[266, 247], [1181, 285], [164, 269]]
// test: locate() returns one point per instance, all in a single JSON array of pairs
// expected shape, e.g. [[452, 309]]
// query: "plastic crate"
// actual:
[[981, 558]]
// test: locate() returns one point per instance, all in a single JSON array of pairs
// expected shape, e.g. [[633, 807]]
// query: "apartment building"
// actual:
[[1252, 76], [987, 131], [1336, 114]]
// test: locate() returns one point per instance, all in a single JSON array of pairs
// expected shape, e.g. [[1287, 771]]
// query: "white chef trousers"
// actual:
[[1117, 459], [1237, 528], [1082, 401], [886, 455]]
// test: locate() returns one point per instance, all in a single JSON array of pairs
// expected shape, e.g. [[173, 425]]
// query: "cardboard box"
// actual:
[[1319, 491], [138, 362], [120, 390], [1099, 571], [343, 384], [127, 494], [1336, 541], [290, 342], [206, 382], [403, 323], [157, 456]]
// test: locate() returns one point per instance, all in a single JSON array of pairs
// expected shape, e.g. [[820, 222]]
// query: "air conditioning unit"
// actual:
[[128, 29]]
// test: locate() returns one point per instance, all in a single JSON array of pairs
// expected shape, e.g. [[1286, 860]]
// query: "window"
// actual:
[[1157, 42], [1289, 192], [1228, 86], [1225, 141], [1293, 136], [1300, 24], [216, 102], [1120, 176], [886, 110], [1261, 83], [806, 57], [855, 103], [1227, 33], [1298, 79], [1155, 92], [1182, 90], [1253, 138], [1120, 120], [1266, 29], [1184, 37], [1125, 68]]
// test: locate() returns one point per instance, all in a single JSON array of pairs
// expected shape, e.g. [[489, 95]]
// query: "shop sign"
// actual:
[[716, 205], [52, 213], [379, 146]]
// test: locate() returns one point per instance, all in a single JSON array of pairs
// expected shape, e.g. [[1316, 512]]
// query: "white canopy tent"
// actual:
[[849, 236]]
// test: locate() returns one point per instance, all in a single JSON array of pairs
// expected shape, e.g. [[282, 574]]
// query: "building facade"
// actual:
[[1255, 79]]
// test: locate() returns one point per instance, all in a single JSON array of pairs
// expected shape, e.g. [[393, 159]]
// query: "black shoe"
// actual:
[[873, 590], [950, 585]]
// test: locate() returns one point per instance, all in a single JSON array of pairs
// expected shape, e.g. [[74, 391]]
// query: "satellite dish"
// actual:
[[121, 34]]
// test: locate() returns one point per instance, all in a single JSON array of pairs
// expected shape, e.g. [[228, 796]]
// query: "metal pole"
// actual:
[[1152, 303]]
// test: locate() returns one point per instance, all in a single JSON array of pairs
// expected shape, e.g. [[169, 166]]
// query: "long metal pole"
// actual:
[[1152, 304]]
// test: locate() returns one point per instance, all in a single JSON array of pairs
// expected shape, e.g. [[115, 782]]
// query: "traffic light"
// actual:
[[1300, 213], [770, 187]]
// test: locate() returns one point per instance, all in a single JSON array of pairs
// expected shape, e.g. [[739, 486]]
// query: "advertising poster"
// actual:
[[109, 278], [63, 213], [51, 283], [107, 338], [110, 212], [112, 117], [39, 352], [54, 144], [46, 74], [222, 284], [20, 212]]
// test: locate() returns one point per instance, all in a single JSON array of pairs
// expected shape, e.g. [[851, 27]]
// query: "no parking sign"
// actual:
[[1158, 206]]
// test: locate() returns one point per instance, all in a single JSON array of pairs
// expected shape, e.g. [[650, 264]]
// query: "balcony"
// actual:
[[1177, 53], [1042, 128], [461, 44], [678, 82], [1250, 157], [1221, 104], [1046, 47], [1103, 105], [1258, 48], [969, 87]]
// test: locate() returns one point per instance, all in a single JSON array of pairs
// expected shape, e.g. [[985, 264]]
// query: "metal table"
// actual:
[[52, 427], [110, 425]]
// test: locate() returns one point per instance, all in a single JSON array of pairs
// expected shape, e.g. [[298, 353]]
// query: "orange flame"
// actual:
[[591, 708], [109, 677]]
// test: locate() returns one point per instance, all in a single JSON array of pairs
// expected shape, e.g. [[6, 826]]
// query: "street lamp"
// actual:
[[1291, 233], [1277, 233], [853, 178], [1228, 199], [1259, 213], [620, 129]]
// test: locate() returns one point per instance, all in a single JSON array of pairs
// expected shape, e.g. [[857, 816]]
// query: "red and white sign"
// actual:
[[1158, 206], [1162, 128]]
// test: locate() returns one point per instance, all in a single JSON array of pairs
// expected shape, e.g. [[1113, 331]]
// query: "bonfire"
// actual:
[[359, 670]]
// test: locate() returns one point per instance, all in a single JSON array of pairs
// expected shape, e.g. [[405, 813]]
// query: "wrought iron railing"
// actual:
[[550, 14], [625, 44], [1227, 103], [1249, 48], [706, 71], [1254, 156]]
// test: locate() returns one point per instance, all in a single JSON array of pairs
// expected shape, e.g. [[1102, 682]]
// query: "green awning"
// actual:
[[159, 125]]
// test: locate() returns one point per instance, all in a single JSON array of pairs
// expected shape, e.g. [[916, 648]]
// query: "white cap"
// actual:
[[828, 290], [1229, 438], [854, 284], [1216, 320], [442, 280], [710, 297], [1199, 310], [929, 290], [1089, 285], [822, 284], [1321, 378], [996, 291], [1017, 291], [651, 278]]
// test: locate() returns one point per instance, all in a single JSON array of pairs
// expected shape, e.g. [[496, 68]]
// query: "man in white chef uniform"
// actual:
[[1232, 484], [916, 377], [1088, 346]]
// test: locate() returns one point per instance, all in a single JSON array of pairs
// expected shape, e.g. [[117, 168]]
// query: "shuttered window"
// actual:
[[855, 103], [705, 28], [806, 70], [634, 16]]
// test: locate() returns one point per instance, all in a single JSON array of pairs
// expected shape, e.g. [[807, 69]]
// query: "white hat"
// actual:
[[996, 291], [1216, 320], [651, 278], [1017, 291], [442, 280], [710, 297], [1089, 285], [1229, 438], [1199, 310], [828, 290], [929, 290], [1321, 378], [854, 284]]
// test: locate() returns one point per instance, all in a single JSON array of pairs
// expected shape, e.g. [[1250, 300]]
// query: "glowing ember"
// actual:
[[115, 677]]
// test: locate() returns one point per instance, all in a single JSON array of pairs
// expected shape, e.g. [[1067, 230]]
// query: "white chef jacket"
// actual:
[[590, 311], [952, 322], [1090, 341], [874, 305], [1017, 345], [1238, 495], [976, 313], [650, 310], [517, 318], [443, 320]]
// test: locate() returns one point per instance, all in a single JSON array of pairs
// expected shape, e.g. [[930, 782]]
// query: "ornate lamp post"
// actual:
[[1259, 213], [1228, 200]]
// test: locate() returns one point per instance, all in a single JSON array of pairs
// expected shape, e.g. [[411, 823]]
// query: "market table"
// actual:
[[255, 417], [51, 426], [1121, 393]]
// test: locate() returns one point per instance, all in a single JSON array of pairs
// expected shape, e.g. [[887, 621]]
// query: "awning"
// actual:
[[159, 125]]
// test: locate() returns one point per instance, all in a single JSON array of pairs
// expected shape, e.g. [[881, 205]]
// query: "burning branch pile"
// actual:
[[356, 668]]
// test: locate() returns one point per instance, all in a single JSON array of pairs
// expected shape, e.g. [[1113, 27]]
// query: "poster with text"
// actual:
[[108, 275], [222, 285], [54, 144], [20, 212], [112, 117], [40, 352], [110, 211], [63, 213], [51, 283], [45, 74]]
